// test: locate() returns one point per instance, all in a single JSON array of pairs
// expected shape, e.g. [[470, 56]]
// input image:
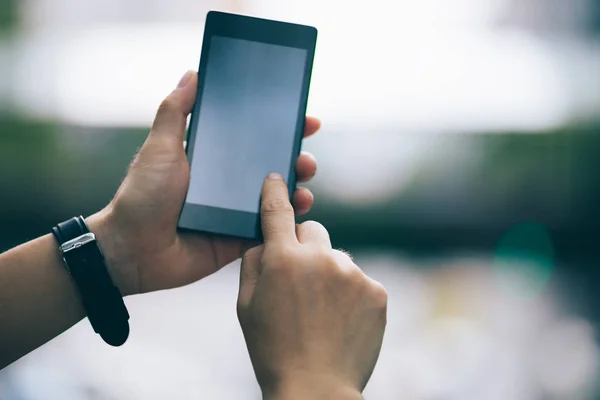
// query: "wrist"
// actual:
[[121, 267], [315, 388]]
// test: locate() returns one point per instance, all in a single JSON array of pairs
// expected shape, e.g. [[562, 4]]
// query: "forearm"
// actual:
[[38, 298]]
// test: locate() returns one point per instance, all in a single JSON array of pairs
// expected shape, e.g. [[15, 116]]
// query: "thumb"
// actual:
[[173, 111], [249, 274]]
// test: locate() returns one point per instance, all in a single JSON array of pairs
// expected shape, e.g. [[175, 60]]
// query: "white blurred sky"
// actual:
[[415, 66]]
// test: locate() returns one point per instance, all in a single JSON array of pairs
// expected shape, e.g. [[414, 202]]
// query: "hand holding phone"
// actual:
[[248, 119], [138, 228]]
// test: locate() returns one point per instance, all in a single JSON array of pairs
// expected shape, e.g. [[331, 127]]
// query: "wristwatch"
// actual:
[[101, 299]]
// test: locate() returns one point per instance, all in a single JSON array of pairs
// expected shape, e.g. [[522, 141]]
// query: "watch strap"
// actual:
[[100, 298], [70, 229]]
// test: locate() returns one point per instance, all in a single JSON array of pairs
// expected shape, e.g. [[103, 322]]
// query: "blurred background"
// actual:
[[458, 162]]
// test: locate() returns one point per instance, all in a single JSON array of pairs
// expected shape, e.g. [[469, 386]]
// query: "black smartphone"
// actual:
[[248, 119]]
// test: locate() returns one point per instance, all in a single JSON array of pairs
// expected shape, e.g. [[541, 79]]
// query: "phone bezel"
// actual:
[[229, 222]]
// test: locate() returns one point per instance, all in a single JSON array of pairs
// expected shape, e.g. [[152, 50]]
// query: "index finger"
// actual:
[[276, 211]]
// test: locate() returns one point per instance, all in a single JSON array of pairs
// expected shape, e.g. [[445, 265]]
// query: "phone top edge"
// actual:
[[222, 14]]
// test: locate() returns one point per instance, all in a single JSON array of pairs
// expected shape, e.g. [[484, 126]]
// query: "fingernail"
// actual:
[[274, 175], [184, 79]]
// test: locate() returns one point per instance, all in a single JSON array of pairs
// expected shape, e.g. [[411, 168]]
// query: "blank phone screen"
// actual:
[[247, 121]]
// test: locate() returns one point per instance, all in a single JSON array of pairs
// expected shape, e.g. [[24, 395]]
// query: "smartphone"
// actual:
[[248, 119]]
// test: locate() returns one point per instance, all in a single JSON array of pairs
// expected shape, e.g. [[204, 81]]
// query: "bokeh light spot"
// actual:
[[524, 259]]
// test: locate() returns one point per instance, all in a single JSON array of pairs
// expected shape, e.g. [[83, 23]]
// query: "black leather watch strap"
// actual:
[[101, 299]]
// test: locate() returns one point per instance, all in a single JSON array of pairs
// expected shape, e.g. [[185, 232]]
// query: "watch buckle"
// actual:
[[77, 242]]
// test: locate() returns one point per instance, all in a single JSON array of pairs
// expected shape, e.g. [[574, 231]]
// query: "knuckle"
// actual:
[[311, 225], [312, 229], [329, 266], [167, 106], [327, 262], [276, 206], [379, 294], [347, 267], [344, 256], [355, 275]]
